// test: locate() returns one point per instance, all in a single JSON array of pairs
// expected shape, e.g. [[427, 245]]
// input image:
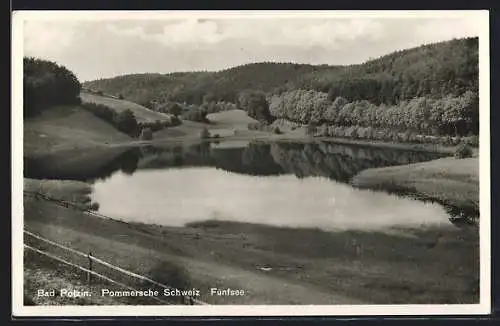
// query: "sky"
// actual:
[[120, 45]]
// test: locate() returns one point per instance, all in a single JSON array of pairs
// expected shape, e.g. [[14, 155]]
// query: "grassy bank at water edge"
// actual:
[[449, 181]]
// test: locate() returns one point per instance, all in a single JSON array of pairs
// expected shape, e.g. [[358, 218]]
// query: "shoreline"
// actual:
[[264, 138]]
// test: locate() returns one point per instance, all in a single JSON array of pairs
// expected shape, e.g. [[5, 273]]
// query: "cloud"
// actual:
[[438, 30], [44, 38], [267, 31]]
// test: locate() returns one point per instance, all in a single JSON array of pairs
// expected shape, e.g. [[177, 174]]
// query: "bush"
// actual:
[[362, 133], [204, 134], [94, 207], [456, 141], [277, 131], [448, 140], [353, 133], [146, 134], [405, 137], [252, 126], [412, 137], [311, 128], [175, 109], [463, 151], [171, 274], [260, 126], [125, 122], [175, 121], [196, 114], [216, 136], [473, 141], [370, 133]]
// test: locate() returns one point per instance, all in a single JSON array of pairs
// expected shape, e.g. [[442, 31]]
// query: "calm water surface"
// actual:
[[279, 184]]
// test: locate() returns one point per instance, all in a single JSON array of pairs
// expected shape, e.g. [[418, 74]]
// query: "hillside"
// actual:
[[223, 124], [141, 113], [53, 143], [67, 127], [192, 87], [232, 118], [436, 70]]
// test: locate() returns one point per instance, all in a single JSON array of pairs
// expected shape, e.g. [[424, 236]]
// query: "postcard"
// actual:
[[250, 163]]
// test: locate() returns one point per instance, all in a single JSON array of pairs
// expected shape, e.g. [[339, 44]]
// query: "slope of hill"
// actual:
[[67, 127], [231, 118], [53, 143], [141, 113], [436, 70]]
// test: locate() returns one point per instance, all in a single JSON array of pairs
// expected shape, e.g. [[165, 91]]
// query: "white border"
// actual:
[[18, 310]]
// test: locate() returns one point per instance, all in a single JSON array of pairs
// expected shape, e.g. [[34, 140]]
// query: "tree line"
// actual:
[[46, 84], [450, 115]]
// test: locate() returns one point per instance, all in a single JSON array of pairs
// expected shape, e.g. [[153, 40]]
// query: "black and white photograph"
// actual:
[[213, 163]]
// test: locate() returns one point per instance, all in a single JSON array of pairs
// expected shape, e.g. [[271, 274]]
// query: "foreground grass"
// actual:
[[271, 265], [449, 181]]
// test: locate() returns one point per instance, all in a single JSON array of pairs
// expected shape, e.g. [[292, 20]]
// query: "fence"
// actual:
[[92, 259]]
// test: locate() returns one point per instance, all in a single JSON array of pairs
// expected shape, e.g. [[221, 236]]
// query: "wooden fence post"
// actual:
[[90, 267]]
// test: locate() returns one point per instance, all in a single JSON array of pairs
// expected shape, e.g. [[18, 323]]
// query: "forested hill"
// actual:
[[434, 70], [194, 87]]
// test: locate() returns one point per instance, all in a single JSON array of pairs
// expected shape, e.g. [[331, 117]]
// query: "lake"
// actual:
[[281, 184]]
